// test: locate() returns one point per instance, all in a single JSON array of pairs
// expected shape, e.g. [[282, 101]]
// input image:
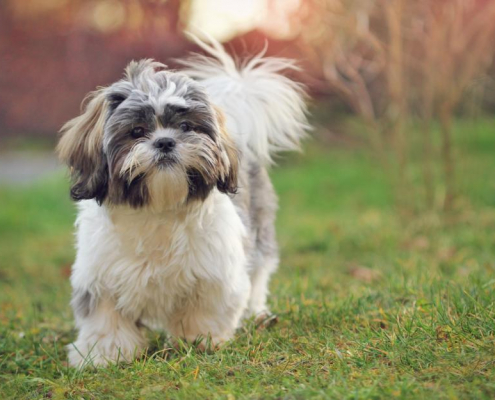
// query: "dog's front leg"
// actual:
[[105, 335], [213, 316]]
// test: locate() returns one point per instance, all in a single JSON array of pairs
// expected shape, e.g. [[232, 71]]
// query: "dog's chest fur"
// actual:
[[155, 264]]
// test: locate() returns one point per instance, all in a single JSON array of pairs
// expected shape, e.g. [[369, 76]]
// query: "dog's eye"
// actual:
[[137, 132], [185, 127]]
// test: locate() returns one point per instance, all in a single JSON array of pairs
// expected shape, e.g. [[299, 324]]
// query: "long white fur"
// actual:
[[184, 269], [153, 267], [266, 111]]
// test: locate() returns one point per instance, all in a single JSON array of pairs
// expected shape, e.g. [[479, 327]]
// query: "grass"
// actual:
[[371, 305]]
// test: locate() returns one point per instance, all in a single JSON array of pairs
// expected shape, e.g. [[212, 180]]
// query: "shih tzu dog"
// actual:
[[175, 228]]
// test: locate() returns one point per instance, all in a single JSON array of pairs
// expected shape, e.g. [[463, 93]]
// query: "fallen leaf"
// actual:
[[364, 274]]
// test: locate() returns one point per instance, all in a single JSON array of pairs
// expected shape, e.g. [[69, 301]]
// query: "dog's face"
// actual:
[[149, 140]]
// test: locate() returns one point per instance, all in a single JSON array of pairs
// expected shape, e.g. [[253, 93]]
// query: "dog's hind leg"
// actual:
[[264, 260], [260, 279]]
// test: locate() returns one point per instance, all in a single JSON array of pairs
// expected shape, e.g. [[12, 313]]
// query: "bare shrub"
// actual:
[[422, 55]]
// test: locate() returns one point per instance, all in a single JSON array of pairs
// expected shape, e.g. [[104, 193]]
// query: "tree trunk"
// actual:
[[447, 156], [395, 81], [428, 165]]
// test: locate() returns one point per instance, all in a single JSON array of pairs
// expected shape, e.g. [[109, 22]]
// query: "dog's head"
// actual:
[[151, 139]]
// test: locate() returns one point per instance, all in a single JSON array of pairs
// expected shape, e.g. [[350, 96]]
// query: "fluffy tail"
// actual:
[[266, 111]]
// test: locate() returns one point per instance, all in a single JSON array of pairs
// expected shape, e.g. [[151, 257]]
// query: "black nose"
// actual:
[[165, 145]]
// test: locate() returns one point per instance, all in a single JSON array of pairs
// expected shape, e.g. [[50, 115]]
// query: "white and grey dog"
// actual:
[[176, 214]]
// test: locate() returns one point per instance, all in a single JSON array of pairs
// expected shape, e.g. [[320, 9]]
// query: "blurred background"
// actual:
[[388, 75], [387, 218]]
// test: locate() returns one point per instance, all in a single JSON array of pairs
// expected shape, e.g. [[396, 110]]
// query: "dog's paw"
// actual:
[[266, 320], [100, 354], [82, 359], [203, 344]]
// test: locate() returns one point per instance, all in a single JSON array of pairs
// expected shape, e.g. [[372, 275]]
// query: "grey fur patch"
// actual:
[[198, 187], [89, 181], [263, 210], [83, 303], [257, 206]]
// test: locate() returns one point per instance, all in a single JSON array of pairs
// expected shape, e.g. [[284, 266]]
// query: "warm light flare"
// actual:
[[225, 19]]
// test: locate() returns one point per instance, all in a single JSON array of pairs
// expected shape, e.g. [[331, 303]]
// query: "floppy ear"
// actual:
[[81, 148], [229, 158]]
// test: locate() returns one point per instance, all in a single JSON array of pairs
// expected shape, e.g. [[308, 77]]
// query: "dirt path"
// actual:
[[26, 167]]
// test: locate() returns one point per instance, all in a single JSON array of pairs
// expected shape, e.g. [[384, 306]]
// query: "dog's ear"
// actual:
[[81, 148], [228, 158]]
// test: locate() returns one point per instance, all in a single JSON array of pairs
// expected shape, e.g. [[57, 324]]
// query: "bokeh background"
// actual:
[[386, 222], [399, 67]]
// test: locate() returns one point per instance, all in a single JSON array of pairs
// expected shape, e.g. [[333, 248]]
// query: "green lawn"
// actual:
[[371, 305]]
